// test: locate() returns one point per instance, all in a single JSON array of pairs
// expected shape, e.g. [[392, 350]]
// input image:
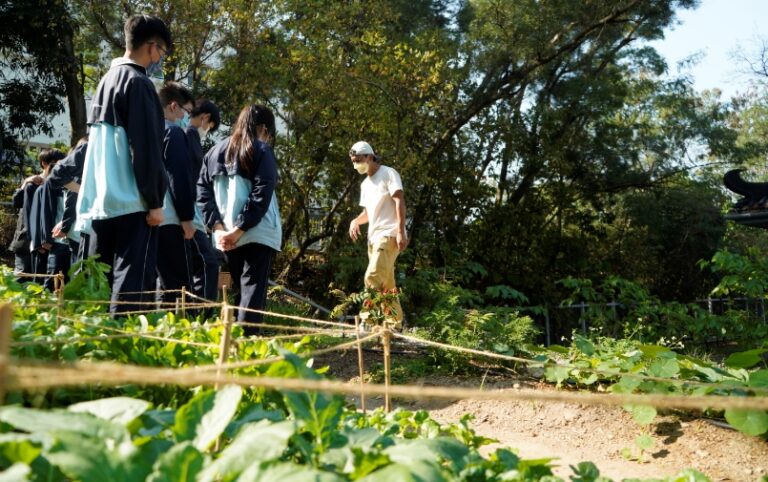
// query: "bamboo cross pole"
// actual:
[[360, 363], [6, 317]]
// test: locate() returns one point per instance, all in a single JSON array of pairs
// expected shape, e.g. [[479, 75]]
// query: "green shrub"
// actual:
[[458, 319]]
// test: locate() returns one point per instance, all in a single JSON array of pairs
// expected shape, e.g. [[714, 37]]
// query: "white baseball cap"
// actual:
[[361, 148]]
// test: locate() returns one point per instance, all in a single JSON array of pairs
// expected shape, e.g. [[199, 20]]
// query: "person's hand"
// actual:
[[35, 179], [218, 232], [45, 247], [354, 230], [229, 239], [189, 229], [402, 240], [57, 232], [155, 217]]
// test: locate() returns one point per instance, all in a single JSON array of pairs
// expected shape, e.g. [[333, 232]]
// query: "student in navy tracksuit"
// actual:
[[124, 182], [59, 257], [24, 201], [236, 192], [205, 118], [67, 175], [178, 228], [20, 243], [40, 241]]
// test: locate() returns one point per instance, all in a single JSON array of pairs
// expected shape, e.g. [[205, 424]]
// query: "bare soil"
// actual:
[[572, 433]]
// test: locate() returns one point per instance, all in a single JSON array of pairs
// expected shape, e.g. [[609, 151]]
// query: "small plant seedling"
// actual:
[[643, 443]]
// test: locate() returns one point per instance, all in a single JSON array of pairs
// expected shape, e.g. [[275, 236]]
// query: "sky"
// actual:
[[715, 30]]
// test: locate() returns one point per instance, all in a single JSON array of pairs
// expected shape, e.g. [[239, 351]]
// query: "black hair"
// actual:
[[140, 29], [245, 133], [205, 106], [175, 92], [49, 157]]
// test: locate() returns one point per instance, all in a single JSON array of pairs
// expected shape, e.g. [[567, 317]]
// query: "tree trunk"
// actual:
[[74, 87]]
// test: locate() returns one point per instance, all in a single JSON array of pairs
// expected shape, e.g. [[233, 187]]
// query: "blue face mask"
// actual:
[[155, 69], [184, 121]]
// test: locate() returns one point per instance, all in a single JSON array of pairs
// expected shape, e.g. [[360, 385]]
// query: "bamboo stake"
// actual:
[[360, 364], [385, 340], [183, 301], [226, 336], [59, 289], [226, 318], [6, 316]]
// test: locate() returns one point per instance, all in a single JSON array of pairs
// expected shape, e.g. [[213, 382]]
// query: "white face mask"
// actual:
[[361, 167], [202, 132]]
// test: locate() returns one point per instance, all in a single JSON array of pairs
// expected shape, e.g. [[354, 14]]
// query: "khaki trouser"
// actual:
[[380, 274]]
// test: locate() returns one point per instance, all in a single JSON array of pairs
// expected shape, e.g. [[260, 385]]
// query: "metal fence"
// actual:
[[563, 319]]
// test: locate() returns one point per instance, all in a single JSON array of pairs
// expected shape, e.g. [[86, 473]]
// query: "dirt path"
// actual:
[[574, 433]]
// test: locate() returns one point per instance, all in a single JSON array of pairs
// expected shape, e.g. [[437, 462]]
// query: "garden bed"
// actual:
[[573, 433]]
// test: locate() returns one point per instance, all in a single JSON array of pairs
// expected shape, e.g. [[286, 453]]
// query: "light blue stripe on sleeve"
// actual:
[[169, 211]]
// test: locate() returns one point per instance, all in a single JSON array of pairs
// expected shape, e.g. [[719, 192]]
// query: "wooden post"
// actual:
[[385, 341], [360, 364], [59, 289], [6, 317], [176, 307], [183, 301]]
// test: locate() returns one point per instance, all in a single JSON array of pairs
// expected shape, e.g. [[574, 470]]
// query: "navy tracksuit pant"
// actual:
[[205, 267], [173, 263], [23, 264], [39, 259], [129, 245], [250, 264], [59, 261]]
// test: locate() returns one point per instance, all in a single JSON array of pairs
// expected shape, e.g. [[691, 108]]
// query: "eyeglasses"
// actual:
[[163, 49], [357, 158], [185, 110]]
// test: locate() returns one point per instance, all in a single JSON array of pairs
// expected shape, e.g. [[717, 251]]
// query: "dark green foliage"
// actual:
[[32, 60]]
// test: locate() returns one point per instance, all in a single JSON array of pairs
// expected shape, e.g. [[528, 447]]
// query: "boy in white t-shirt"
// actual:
[[381, 196]]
